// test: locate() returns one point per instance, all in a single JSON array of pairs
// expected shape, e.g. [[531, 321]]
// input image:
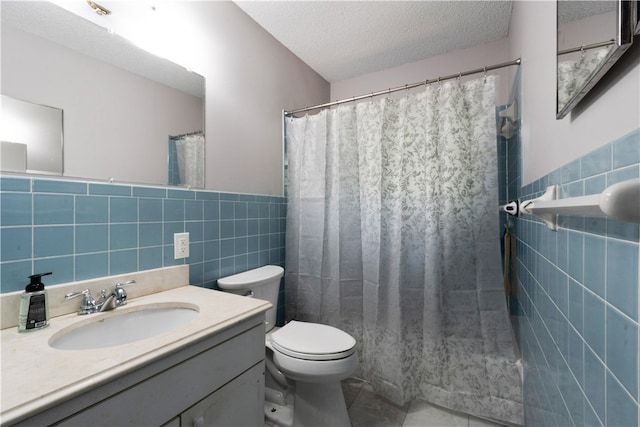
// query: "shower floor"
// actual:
[[367, 409]]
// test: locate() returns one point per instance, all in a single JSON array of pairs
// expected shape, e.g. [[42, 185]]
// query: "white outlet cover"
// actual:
[[180, 245]]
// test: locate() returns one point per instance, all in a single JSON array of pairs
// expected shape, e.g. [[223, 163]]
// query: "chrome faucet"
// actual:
[[116, 298]]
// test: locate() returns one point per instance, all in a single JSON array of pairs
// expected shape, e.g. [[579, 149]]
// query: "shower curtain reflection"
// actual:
[[392, 236], [186, 160]]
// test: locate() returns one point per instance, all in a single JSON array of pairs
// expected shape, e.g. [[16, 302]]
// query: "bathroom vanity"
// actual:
[[207, 371]]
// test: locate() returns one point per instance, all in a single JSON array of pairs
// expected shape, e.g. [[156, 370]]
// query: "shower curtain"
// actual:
[[190, 153], [572, 74], [392, 236]]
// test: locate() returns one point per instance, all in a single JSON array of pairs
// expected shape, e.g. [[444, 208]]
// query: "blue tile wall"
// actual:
[[83, 230], [575, 310]]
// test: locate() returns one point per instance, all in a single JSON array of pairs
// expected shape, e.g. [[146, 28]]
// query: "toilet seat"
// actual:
[[312, 341]]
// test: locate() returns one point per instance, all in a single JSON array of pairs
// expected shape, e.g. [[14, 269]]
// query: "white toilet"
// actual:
[[304, 360]]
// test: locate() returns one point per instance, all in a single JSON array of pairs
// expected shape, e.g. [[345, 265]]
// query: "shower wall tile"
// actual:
[[150, 192], [16, 243], [52, 241], [9, 183], [91, 210], [622, 344], [83, 230], [622, 409], [109, 189], [13, 207], [62, 187], [626, 150], [123, 209], [575, 311], [150, 210], [91, 238], [596, 162], [52, 209], [180, 194]]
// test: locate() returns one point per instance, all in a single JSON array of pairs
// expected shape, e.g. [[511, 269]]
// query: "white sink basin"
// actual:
[[122, 326]]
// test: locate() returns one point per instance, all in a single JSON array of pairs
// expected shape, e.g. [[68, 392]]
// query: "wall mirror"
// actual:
[[122, 105], [31, 138], [592, 35]]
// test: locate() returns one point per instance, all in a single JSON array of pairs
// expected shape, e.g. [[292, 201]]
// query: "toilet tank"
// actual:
[[262, 283]]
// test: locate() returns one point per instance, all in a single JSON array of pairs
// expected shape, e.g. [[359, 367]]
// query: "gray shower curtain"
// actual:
[[392, 235]]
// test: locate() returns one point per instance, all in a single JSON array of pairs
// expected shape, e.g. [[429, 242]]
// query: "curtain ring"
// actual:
[[582, 51], [485, 74], [460, 75]]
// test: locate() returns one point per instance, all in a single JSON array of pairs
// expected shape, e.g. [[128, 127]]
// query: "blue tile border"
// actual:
[[85, 230], [8, 183], [160, 193], [109, 189], [54, 186]]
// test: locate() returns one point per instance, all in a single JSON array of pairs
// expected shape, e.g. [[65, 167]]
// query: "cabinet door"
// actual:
[[238, 403]]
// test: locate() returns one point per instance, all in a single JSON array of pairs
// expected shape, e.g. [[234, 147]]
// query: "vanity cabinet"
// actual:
[[218, 380]]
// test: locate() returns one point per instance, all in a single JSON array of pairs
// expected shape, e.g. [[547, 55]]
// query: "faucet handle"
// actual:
[[71, 295], [121, 294], [128, 282], [87, 305]]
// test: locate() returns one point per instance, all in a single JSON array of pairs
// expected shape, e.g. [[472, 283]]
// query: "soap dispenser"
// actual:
[[34, 305]]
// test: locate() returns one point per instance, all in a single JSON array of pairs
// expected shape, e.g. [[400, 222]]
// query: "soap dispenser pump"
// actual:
[[34, 305]]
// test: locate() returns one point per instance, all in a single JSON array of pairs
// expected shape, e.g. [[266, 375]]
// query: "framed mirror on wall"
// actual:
[[121, 104], [592, 35]]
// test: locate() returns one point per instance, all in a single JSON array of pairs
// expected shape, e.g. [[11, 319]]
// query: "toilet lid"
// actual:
[[312, 341]]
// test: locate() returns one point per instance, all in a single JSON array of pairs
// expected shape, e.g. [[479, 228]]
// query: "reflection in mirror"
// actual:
[[592, 35], [120, 103], [31, 137], [186, 160]]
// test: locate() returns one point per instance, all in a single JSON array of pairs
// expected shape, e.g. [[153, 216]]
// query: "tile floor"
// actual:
[[367, 409]]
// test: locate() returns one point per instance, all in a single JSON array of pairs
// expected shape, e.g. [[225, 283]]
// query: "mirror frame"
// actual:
[[637, 30], [626, 26]]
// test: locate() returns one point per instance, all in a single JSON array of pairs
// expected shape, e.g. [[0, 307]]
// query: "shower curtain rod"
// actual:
[[585, 47], [198, 132], [406, 87]]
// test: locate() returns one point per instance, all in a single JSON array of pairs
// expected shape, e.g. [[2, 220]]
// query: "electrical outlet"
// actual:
[[180, 245]]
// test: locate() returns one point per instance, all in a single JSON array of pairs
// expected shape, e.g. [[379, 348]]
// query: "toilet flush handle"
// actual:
[[249, 294]]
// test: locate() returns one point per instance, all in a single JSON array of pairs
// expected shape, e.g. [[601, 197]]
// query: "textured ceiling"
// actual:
[[344, 39], [571, 10]]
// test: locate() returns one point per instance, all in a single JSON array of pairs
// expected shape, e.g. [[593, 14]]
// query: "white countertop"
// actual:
[[35, 375]]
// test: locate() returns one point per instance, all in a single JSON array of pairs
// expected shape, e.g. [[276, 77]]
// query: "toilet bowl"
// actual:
[[313, 353], [308, 359]]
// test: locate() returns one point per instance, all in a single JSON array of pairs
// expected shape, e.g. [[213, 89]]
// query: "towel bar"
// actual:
[[620, 201]]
